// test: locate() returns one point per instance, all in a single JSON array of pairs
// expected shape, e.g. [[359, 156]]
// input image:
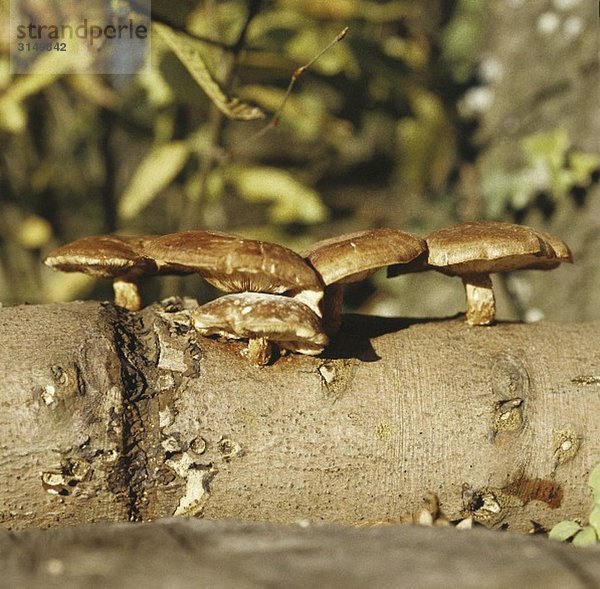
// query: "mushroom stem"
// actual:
[[259, 351], [481, 304], [127, 294], [333, 302]]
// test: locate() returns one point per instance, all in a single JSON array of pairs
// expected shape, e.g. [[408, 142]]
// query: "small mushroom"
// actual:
[[235, 264], [106, 256], [353, 257], [263, 319], [477, 249]]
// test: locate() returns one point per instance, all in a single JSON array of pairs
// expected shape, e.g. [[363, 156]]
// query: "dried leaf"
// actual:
[[190, 56]]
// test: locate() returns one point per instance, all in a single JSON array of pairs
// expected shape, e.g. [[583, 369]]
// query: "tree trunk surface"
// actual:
[[116, 416], [231, 555], [546, 81]]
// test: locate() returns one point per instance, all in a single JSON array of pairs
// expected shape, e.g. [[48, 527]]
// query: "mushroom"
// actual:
[[475, 250], [235, 264], [106, 256], [263, 319], [353, 257]]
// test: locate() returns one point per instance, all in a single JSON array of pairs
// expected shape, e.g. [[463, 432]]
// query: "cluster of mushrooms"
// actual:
[[294, 301]]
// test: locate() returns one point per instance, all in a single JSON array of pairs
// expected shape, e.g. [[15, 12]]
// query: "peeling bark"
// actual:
[[114, 416]]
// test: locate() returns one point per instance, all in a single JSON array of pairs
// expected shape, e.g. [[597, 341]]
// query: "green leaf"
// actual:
[[564, 530], [594, 519], [426, 142], [594, 479], [157, 171], [582, 165], [586, 537], [551, 148], [562, 181], [190, 56], [13, 117], [291, 200]]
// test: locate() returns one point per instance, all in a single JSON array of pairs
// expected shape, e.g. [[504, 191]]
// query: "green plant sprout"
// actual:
[[551, 164], [571, 530]]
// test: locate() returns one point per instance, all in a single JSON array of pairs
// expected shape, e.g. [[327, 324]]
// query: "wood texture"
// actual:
[[61, 426], [153, 421]]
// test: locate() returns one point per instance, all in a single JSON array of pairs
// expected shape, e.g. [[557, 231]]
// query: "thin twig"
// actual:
[[298, 72], [188, 218]]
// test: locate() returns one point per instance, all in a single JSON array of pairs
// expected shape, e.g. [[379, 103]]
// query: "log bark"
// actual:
[[230, 555], [112, 416]]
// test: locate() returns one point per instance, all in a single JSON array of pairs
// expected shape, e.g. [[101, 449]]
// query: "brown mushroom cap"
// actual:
[[103, 256], [234, 264], [355, 256], [283, 320], [561, 251], [485, 247]]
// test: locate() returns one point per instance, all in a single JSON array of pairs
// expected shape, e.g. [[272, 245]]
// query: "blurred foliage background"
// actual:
[[426, 114]]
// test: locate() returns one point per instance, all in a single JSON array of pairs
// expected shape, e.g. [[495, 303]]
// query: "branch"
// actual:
[[115, 416]]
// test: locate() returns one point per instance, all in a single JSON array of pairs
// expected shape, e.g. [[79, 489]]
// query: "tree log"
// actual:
[[111, 416], [230, 555]]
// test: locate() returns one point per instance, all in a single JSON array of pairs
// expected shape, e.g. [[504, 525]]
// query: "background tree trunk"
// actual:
[[547, 79], [112, 416]]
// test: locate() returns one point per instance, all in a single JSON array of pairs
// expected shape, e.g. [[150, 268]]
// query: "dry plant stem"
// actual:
[[127, 294], [259, 351], [189, 217], [298, 74], [481, 304], [295, 76]]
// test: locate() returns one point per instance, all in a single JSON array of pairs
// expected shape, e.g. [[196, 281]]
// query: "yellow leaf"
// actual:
[[157, 171], [291, 200]]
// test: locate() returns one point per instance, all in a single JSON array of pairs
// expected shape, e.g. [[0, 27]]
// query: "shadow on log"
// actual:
[[116, 416]]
